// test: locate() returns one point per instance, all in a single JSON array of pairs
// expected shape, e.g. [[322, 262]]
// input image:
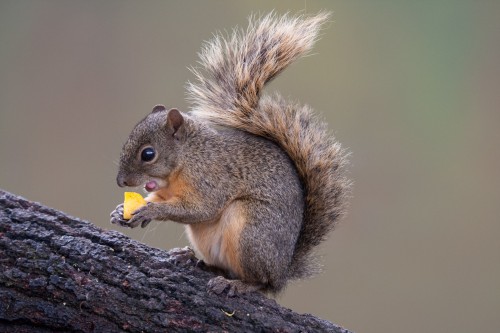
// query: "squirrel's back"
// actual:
[[233, 72]]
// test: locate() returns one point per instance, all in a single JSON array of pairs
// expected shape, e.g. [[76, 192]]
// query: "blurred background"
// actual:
[[411, 88]]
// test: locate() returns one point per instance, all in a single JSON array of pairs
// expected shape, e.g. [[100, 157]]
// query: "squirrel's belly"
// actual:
[[218, 242]]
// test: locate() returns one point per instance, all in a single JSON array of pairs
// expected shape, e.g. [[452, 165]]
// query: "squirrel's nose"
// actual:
[[121, 181]]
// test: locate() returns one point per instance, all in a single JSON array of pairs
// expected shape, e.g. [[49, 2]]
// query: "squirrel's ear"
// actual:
[[158, 108], [175, 122]]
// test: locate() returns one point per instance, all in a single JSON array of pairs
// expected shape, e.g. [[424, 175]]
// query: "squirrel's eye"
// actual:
[[148, 154]]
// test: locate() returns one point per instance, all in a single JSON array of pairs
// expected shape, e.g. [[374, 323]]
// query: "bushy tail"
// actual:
[[233, 73]]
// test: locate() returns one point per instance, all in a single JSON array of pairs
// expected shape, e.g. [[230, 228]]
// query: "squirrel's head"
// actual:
[[152, 149]]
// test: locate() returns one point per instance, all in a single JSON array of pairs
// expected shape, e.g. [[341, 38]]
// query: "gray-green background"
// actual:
[[410, 87]]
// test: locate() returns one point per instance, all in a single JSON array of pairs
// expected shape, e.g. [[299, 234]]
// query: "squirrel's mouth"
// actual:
[[154, 185], [151, 186]]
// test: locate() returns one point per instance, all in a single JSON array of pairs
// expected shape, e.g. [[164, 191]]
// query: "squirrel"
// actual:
[[258, 181]]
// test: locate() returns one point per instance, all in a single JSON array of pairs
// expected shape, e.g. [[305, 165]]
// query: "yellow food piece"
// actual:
[[132, 202]]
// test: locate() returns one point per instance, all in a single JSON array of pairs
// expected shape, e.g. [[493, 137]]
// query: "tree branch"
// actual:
[[59, 273]]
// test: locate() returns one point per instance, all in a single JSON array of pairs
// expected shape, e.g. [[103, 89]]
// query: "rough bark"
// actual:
[[62, 274]]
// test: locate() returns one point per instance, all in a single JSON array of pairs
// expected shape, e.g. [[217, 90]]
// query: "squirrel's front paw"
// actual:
[[139, 217], [117, 216], [142, 216]]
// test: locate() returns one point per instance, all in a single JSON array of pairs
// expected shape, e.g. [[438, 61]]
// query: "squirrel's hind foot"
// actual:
[[219, 284]]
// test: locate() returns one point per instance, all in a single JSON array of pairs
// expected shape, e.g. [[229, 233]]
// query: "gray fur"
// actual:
[[272, 157], [232, 76]]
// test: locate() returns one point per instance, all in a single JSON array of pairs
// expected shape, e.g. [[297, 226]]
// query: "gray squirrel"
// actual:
[[258, 181]]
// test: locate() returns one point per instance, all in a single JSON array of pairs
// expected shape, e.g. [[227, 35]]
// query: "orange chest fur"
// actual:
[[177, 189], [217, 241]]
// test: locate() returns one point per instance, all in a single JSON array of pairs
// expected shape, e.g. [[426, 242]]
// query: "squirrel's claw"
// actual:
[[117, 216], [141, 216], [144, 224], [138, 218]]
